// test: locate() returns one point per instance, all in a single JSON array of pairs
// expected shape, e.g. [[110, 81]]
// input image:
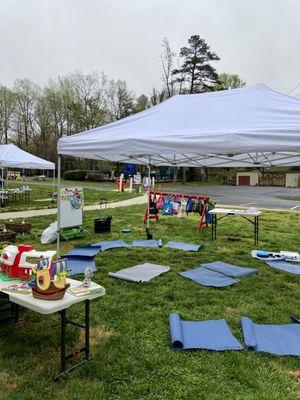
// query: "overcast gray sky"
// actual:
[[41, 39]]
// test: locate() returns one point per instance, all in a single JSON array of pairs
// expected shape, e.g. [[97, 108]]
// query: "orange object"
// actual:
[[123, 184]]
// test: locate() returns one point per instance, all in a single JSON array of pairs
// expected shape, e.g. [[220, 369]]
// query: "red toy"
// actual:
[[13, 260]]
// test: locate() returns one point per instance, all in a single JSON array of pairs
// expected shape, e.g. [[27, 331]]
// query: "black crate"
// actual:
[[102, 224]]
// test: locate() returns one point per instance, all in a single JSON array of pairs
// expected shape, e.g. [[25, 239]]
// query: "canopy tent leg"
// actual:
[[148, 206], [2, 184], [53, 187], [58, 203]]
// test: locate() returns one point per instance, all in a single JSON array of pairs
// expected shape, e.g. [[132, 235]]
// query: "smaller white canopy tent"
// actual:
[[12, 156]]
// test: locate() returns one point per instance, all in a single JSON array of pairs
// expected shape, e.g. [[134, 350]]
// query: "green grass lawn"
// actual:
[[129, 326], [41, 196]]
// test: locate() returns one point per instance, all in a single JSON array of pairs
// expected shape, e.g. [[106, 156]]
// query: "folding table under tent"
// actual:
[[253, 126], [12, 156]]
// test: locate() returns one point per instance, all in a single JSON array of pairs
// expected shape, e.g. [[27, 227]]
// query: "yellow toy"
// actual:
[[50, 279]]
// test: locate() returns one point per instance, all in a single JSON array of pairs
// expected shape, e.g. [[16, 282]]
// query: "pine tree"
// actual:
[[196, 71]]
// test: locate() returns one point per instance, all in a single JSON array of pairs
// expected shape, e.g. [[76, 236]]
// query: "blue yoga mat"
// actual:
[[146, 243], [209, 335], [228, 269], [84, 251], [78, 264], [110, 244], [206, 277], [285, 266], [282, 340], [184, 246]]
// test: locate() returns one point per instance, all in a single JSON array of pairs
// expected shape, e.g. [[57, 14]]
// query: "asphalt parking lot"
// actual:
[[247, 196], [224, 195]]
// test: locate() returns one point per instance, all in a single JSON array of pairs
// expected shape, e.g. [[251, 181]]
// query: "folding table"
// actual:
[[47, 307], [245, 214]]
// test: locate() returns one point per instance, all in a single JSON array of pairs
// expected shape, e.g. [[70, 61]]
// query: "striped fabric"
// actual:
[[43, 263], [59, 266]]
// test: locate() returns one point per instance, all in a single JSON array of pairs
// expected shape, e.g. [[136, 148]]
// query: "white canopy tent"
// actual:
[[250, 126], [246, 127], [12, 156]]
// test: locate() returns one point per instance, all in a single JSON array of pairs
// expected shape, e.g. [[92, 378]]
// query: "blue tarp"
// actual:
[[285, 266], [184, 246], [207, 277], [78, 264], [84, 251], [110, 244], [228, 269], [282, 340], [210, 335], [146, 243]]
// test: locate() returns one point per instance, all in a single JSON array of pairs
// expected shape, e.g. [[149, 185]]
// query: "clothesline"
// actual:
[[182, 195]]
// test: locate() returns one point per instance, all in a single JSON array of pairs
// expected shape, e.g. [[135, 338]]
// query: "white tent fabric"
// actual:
[[250, 126], [12, 156]]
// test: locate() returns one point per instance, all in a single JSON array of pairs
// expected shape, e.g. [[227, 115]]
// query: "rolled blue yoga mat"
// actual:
[[263, 254], [281, 340], [209, 335]]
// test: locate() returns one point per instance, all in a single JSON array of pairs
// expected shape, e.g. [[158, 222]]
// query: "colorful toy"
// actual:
[[50, 279], [14, 260]]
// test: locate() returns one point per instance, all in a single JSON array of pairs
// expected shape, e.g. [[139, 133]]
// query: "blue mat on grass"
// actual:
[[184, 246], [110, 244], [146, 243], [285, 266], [78, 264], [282, 340], [209, 335], [84, 251], [207, 277], [228, 269]]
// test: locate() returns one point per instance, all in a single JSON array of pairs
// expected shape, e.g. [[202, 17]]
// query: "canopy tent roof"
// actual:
[[250, 126], [12, 156]]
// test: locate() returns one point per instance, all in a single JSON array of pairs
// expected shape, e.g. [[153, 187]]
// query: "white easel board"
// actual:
[[71, 207]]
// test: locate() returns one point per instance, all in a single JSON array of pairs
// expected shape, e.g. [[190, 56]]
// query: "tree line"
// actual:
[[35, 117]]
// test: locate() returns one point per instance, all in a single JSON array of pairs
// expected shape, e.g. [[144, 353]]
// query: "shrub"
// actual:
[[97, 177], [74, 175]]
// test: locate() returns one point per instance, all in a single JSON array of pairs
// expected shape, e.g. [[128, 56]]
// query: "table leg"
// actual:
[[63, 324], [74, 353], [11, 309], [87, 329], [16, 312]]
